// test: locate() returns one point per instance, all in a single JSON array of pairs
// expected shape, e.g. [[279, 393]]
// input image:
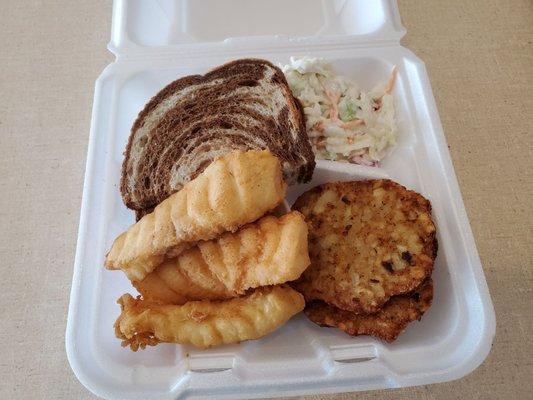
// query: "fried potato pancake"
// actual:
[[270, 251], [206, 323], [385, 324], [233, 190], [368, 241]]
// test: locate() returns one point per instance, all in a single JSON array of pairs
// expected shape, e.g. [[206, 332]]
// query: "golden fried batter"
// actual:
[[182, 279], [385, 324], [368, 241], [206, 323], [270, 251], [232, 191]]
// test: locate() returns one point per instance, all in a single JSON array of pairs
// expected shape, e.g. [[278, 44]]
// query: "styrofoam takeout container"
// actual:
[[159, 41]]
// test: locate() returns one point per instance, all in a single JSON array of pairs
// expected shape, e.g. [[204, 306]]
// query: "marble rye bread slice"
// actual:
[[243, 105]]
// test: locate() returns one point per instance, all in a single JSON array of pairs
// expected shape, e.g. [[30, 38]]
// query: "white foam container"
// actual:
[[160, 41]]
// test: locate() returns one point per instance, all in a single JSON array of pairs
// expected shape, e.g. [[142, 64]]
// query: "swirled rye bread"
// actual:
[[243, 105]]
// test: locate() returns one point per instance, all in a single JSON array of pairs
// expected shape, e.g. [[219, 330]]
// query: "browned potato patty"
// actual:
[[368, 241], [385, 324]]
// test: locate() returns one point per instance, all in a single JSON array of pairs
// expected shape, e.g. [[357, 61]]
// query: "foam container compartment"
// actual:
[[160, 41]]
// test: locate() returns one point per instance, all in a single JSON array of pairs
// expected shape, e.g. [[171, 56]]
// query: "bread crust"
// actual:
[[140, 197]]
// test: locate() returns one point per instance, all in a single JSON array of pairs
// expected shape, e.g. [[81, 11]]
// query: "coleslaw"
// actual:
[[343, 122]]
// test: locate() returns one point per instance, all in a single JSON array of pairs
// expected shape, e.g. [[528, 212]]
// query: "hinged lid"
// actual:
[[159, 41], [205, 26]]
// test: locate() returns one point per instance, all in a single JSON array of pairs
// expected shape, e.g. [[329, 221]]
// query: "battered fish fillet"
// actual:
[[206, 323], [368, 241], [385, 324], [270, 251], [232, 191]]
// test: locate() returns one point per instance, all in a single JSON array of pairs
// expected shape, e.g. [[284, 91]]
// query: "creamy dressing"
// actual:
[[343, 122]]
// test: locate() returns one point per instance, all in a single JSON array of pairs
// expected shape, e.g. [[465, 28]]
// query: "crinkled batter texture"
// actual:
[[368, 241], [385, 324], [206, 323], [233, 190], [270, 251]]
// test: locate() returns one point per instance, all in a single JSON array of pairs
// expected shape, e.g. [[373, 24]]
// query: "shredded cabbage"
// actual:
[[343, 123]]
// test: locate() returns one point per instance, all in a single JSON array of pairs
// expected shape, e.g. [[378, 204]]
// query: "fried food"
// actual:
[[182, 279], [206, 323], [270, 251], [385, 324], [368, 241], [232, 191]]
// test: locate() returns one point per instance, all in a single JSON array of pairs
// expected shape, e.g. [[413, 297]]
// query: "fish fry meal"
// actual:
[[216, 255]]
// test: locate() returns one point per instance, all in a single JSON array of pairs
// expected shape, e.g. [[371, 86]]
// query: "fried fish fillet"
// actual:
[[206, 323], [232, 191], [385, 324], [270, 251], [368, 241]]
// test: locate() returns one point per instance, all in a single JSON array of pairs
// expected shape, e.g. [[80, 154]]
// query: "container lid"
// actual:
[[203, 26], [153, 42]]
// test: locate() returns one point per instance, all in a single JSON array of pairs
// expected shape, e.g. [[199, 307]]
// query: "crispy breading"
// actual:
[[270, 251], [368, 241], [206, 323], [385, 324], [182, 279], [232, 191]]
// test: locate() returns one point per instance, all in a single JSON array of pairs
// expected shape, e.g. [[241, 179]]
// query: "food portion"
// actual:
[[232, 191], [372, 245], [243, 105], [343, 122], [182, 279], [270, 251], [386, 324], [368, 241], [215, 262], [207, 259], [206, 323]]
